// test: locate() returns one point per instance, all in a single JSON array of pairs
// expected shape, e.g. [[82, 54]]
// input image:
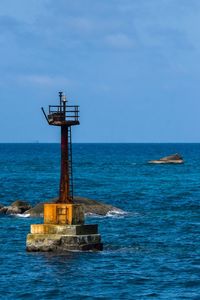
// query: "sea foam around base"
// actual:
[[115, 213]]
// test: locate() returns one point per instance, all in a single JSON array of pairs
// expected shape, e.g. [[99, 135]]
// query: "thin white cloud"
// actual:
[[79, 24], [120, 41], [45, 80]]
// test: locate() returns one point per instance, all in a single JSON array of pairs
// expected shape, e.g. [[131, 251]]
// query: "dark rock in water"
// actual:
[[21, 205], [95, 207], [36, 211], [172, 159], [90, 207], [3, 209], [17, 207]]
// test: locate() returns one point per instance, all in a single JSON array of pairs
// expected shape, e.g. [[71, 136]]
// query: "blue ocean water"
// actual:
[[152, 252]]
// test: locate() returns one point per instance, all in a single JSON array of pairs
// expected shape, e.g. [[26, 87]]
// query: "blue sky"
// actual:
[[131, 65]]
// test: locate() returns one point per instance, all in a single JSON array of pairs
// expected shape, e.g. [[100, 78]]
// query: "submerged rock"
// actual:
[[172, 159]]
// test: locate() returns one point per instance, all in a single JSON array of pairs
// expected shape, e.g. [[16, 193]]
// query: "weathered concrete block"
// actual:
[[59, 242], [64, 229]]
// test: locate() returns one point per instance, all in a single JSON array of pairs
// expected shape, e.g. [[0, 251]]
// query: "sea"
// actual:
[[151, 248]]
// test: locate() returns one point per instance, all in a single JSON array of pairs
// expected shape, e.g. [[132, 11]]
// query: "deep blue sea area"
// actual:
[[152, 252]]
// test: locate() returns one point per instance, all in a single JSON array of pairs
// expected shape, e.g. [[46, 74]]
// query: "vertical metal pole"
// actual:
[[64, 109], [60, 96], [64, 179]]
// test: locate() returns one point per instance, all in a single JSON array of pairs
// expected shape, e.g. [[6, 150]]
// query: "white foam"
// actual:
[[115, 213], [22, 215]]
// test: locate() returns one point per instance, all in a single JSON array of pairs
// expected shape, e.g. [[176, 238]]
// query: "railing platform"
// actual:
[[59, 115]]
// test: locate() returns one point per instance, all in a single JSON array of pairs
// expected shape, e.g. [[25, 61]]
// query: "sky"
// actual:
[[132, 66]]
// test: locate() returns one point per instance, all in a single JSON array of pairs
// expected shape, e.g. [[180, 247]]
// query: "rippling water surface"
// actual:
[[152, 252]]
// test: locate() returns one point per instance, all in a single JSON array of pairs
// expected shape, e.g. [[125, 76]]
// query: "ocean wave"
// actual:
[[110, 248]]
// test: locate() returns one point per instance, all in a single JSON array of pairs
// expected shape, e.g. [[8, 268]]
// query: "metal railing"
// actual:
[[66, 112]]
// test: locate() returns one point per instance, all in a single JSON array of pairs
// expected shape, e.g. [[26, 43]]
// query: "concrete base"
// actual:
[[57, 238], [64, 229]]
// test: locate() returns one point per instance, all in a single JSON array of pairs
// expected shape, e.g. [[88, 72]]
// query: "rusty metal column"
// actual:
[[64, 177]]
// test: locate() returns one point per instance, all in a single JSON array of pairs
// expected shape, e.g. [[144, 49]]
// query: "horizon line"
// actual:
[[101, 142]]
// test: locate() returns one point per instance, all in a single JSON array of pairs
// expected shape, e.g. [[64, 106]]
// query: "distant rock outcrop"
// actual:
[[172, 159], [90, 207], [95, 207], [36, 211], [17, 207]]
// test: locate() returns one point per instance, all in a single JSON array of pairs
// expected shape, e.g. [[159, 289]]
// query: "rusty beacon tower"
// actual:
[[65, 116], [64, 228]]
